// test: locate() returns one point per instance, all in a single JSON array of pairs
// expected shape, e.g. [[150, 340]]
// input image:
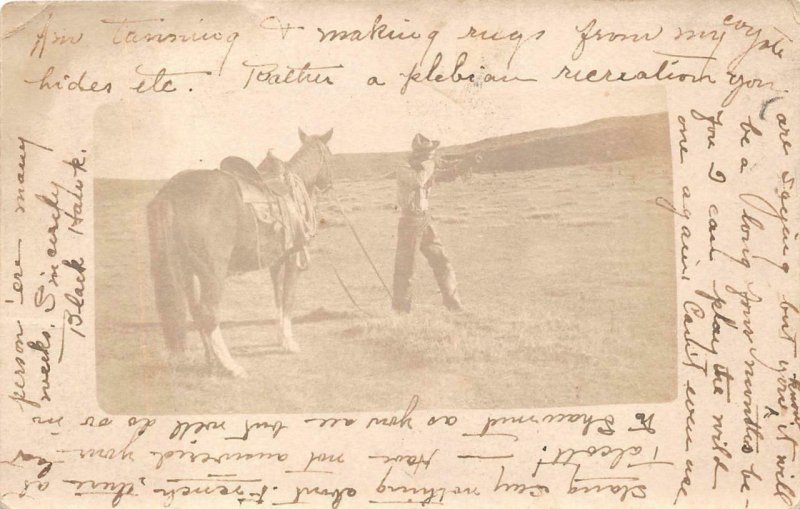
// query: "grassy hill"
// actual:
[[605, 140], [600, 141]]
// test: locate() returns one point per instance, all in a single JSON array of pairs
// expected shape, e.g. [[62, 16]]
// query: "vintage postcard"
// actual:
[[362, 254]]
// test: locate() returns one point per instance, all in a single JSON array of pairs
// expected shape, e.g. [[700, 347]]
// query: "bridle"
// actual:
[[326, 168]]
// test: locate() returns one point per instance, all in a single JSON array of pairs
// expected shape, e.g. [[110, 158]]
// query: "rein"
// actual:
[[306, 203], [363, 249]]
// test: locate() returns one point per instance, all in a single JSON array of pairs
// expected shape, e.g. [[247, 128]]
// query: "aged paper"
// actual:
[[365, 254]]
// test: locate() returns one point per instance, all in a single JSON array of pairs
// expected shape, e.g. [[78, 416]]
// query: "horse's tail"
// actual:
[[167, 271]]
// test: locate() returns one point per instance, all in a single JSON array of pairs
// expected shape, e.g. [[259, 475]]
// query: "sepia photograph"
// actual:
[[288, 259], [467, 254]]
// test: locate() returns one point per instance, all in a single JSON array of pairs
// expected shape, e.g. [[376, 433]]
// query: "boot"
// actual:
[[401, 307], [453, 303]]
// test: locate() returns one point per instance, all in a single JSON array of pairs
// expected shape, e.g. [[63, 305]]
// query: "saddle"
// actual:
[[273, 203], [268, 177]]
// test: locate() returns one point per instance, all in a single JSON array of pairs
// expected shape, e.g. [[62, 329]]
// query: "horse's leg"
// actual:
[[211, 286], [192, 283], [290, 274], [276, 273], [283, 279], [220, 351]]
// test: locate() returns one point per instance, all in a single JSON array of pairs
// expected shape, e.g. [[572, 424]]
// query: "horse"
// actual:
[[201, 230]]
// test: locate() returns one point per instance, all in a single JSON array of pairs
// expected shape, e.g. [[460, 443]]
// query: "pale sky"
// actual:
[[156, 138]]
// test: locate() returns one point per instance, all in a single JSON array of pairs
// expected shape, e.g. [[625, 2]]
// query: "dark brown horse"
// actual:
[[201, 230]]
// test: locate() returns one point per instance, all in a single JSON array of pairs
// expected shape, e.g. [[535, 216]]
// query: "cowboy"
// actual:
[[415, 230]]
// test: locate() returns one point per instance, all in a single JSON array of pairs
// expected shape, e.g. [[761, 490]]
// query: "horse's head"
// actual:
[[313, 161]]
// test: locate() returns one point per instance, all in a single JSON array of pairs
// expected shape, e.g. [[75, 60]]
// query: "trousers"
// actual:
[[417, 232]]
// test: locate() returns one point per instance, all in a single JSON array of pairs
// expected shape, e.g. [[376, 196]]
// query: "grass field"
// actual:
[[567, 274]]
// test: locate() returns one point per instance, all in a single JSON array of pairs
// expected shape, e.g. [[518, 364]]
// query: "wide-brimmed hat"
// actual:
[[423, 145]]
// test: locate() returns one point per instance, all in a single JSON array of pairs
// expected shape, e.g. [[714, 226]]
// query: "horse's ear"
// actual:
[[303, 136], [327, 136]]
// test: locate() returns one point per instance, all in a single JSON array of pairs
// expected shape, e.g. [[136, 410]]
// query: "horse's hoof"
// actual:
[[235, 372], [291, 346], [218, 369]]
